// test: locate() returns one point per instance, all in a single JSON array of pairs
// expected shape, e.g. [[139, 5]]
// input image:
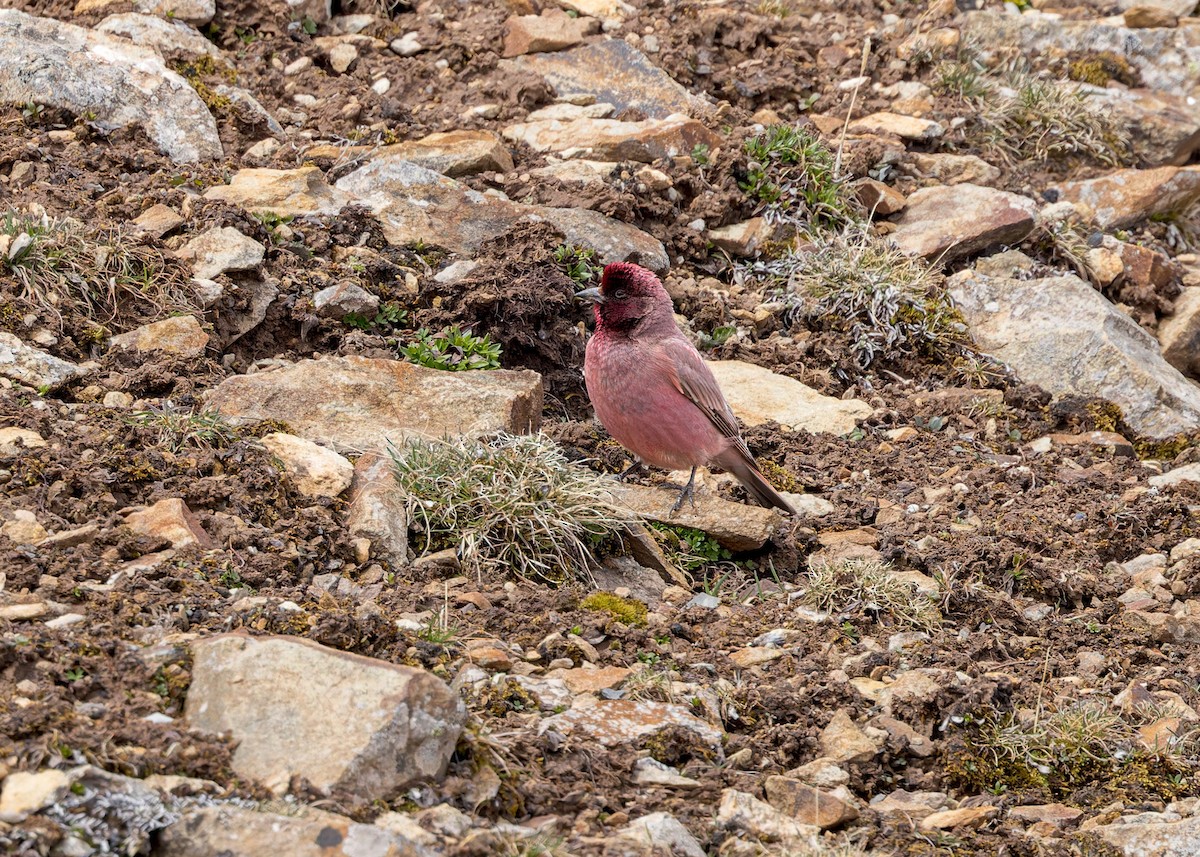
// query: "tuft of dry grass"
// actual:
[[508, 504], [855, 584]]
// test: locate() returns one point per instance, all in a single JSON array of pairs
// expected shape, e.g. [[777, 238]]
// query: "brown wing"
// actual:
[[695, 380]]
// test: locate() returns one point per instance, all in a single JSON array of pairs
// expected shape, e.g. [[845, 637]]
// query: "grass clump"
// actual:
[[854, 584], [888, 302], [179, 428], [452, 349], [628, 611], [63, 268], [578, 263], [793, 176], [509, 504]]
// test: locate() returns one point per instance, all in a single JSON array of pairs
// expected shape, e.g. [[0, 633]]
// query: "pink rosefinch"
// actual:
[[653, 391]]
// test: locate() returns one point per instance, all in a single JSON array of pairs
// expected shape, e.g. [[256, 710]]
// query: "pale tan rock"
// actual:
[[843, 741], [880, 199], [943, 223], [1139, 17], [342, 56], [15, 441], [949, 819], [743, 812], [287, 193], [663, 832], [1057, 814], [315, 470], [615, 11], [1179, 333], [23, 528], [342, 721], [753, 656], [745, 238], [169, 519], [26, 792], [378, 508], [737, 526], [910, 805], [553, 30], [758, 395], [614, 722], [580, 680], [1125, 197], [614, 140], [1104, 264], [949, 169], [808, 805], [454, 153], [1143, 837], [158, 220], [24, 611], [180, 335], [897, 125], [354, 403]]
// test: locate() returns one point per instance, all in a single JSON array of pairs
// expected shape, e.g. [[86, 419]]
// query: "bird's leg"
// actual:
[[688, 493], [624, 474]]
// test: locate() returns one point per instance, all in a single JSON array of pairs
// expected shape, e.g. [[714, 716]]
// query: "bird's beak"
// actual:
[[592, 295]]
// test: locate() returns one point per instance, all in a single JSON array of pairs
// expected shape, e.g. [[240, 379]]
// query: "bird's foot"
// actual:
[[688, 493], [629, 471]]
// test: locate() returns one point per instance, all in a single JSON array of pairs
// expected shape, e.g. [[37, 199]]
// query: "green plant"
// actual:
[[389, 315], [308, 25], [510, 503], [854, 585], [186, 428], [578, 263], [793, 176], [887, 302], [452, 349], [272, 221], [700, 154], [717, 338], [688, 548], [32, 111], [628, 611], [75, 674]]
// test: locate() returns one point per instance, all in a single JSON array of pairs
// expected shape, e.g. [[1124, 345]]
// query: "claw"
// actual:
[[688, 493]]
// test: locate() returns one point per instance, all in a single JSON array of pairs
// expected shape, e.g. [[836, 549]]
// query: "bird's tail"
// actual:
[[744, 469]]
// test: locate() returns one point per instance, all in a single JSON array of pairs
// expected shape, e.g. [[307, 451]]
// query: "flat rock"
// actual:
[[415, 204], [14, 441], [378, 509], [613, 72], [663, 830], [169, 519], [106, 77], [195, 12], [614, 140], [1176, 476], [1179, 333], [743, 812], [758, 395], [878, 198], [287, 193], [614, 11], [221, 250], [897, 125], [948, 819], [354, 403], [23, 528], [1139, 17], [1163, 127], [231, 831], [158, 220], [553, 30], [1060, 333], [808, 805], [744, 238], [1178, 8], [580, 680], [944, 223], [340, 720], [737, 526], [614, 722], [165, 36], [910, 805], [33, 367], [315, 470], [26, 792], [1060, 815], [949, 169], [180, 335], [1125, 197], [342, 299], [454, 153], [842, 740], [1171, 837]]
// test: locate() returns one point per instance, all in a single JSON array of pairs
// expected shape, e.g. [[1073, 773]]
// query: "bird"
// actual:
[[654, 393]]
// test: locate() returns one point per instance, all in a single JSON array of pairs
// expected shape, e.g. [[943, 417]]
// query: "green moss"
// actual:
[[1099, 68], [1165, 450], [195, 71], [628, 611], [1106, 416], [782, 479]]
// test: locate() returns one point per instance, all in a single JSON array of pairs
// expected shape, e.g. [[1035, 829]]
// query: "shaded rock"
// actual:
[[613, 72], [413, 204], [158, 220], [1183, 627], [33, 367], [745, 238], [314, 470], [1179, 333], [244, 307], [26, 792], [340, 720], [909, 805], [944, 223], [737, 526], [221, 250], [169, 519], [14, 441], [354, 403], [613, 140], [878, 198], [843, 741], [948, 169], [181, 335], [287, 193], [377, 509], [614, 722], [1057, 814], [248, 109], [454, 153], [553, 30], [897, 125], [165, 36], [663, 830], [1060, 333], [1163, 127], [1125, 197], [948, 819], [107, 77], [343, 299], [807, 804], [758, 395], [651, 772], [231, 831], [745, 813]]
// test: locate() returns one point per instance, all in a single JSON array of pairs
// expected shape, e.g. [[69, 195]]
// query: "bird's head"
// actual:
[[627, 294]]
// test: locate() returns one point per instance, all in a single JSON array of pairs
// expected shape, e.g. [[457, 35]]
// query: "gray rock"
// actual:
[[614, 72], [344, 298], [249, 109], [33, 367], [745, 813], [615, 722], [339, 720], [1125, 197], [230, 831], [354, 403], [105, 76], [164, 36], [378, 510], [1165, 836], [221, 250], [413, 203], [944, 223], [1060, 333], [665, 831], [737, 526], [313, 469], [244, 308]]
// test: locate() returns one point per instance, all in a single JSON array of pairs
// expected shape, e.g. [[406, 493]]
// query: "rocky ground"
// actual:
[[943, 259]]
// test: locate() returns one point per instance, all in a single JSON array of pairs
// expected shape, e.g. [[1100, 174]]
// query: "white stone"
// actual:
[[758, 395], [315, 470]]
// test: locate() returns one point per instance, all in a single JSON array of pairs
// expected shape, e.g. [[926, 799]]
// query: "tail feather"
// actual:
[[744, 469]]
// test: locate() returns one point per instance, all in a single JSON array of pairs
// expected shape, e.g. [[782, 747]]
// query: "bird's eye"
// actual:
[[620, 294]]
